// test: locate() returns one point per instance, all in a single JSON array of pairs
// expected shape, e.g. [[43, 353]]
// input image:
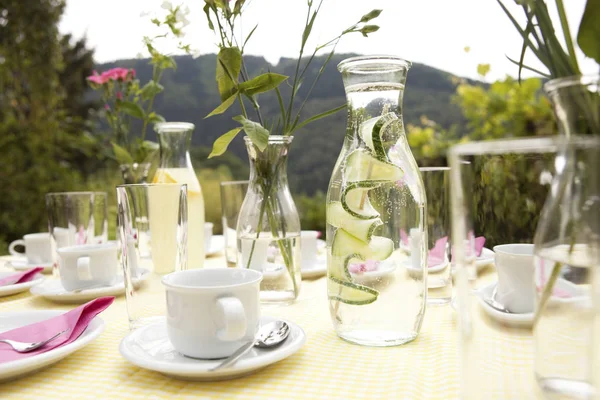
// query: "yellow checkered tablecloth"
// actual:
[[325, 368]]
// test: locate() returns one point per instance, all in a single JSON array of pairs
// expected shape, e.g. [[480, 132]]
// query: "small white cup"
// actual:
[[211, 312], [515, 290], [88, 265], [308, 248], [208, 232], [38, 248]]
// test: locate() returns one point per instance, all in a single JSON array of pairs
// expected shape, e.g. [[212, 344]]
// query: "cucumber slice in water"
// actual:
[[378, 249], [372, 131], [355, 200], [350, 293], [362, 166], [360, 228], [339, 270]]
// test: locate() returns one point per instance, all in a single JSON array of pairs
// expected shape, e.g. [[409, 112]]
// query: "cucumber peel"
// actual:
[[362, 166], [378, 249], [355, 200], [350, 293], [360, 228]]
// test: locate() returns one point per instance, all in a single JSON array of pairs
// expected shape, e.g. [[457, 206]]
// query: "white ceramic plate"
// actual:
[[8, 258], [485, 258], [217, 244], [150, 348], [7, 290], [383, 269], [53, 290], [23, 265], [316, 270], [14, 369], [521, 320]]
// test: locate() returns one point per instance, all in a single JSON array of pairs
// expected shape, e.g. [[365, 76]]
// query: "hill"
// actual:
[[191, 93]]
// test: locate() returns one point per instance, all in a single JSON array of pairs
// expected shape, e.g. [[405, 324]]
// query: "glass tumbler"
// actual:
[[439, 282], [153, 240], [497, 193], [232, 197], [76, 218]]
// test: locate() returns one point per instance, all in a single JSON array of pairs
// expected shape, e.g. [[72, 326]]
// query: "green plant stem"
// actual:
[[567, 32]]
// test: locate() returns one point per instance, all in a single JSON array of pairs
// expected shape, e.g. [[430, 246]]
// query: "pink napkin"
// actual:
[[21, 277], [403, 237], [74, 321], [479, 242], [437, 254]]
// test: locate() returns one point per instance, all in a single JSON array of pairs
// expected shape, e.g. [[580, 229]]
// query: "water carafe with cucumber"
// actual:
[[376, 217]]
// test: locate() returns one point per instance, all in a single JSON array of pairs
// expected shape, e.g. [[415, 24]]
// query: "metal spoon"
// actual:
[[269, 335], [25, 347], [492, 302]]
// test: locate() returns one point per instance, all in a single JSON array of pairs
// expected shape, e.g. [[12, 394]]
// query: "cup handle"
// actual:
[[84, 272], [11, 247], [233, 317]]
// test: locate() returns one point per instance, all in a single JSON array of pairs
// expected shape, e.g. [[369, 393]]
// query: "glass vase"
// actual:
[[376, 216], [135, 173], [567, 244], [175, 166], [268, 226]]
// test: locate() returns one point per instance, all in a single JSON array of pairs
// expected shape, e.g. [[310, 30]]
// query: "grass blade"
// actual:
[[567, 32], [319, 116], [537, 71]]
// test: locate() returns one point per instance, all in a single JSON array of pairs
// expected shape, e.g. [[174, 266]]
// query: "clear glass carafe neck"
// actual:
[[271, 163], [175, 139]]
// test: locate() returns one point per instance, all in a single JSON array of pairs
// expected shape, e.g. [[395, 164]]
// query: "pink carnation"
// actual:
[[96, 78]]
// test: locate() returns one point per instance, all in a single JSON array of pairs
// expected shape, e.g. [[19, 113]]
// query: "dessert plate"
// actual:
[[8, 290]]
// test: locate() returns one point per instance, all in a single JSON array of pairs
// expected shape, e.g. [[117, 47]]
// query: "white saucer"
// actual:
[[520, 320], [315, 270], [23, 265], [8, 258], [7, 290], [485, 258], [383, 269], [149, 347], [217, 244], [52, 289], [13, 369], [439, 267]]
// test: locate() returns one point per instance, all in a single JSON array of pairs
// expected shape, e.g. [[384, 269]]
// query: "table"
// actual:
[[325, 368]]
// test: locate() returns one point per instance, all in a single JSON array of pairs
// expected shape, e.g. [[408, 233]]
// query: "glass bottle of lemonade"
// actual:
[[176, 167]]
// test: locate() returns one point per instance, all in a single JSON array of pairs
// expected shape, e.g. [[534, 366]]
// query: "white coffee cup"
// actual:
[[211, 312], [38, 248], [515, 290], [88, 265], [208, 232], [308, 248]]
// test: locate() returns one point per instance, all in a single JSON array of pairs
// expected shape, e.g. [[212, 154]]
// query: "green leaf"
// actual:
[[207, 12], [223, 106], [255, 131], [371, 15], [229, 64], [483, 69], [122, 155], [319, 116], [237, 9], [220, 145], [588, 37], [249, 36], [154, 118], [365, 30], [262, 83], [133, 109], [308, 29], [151, 89], [537, 71]]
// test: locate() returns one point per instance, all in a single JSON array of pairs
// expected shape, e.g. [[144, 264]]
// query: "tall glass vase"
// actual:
[[567, 245], [135, 173], [376, 217], [268, 228]]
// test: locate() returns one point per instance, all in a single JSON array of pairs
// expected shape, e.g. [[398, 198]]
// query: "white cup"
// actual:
[[208, 232], [515, 290], [308, 248], [88, 265], [212, 312], [38, 248]]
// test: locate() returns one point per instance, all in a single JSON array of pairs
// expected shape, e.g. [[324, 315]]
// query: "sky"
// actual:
[[433, 32]]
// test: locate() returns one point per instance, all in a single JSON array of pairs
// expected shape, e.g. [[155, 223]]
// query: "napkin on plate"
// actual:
[[74, 321], [479, 243], [438, 253], [21, 277]]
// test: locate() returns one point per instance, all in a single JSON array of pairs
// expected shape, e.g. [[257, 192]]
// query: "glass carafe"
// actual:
[[176, 167], [376, 217]]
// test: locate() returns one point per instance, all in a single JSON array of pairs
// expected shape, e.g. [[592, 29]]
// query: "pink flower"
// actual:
[[97, 79], [119, 96], [367, 266], [106, 107]]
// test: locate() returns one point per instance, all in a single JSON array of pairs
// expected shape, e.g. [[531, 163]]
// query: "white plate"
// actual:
[[8, 258], [438, 268], [315, 270], [383, 269], [13, 369], [23, 265], [53, 290], [7, 290], [149, 348], [520, 320], [217, 244], [485, 258]]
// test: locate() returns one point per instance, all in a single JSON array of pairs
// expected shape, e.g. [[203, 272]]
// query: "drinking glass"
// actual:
[[76, 218], [439, 281], [232, 197], [153, 240], [498, 191]]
